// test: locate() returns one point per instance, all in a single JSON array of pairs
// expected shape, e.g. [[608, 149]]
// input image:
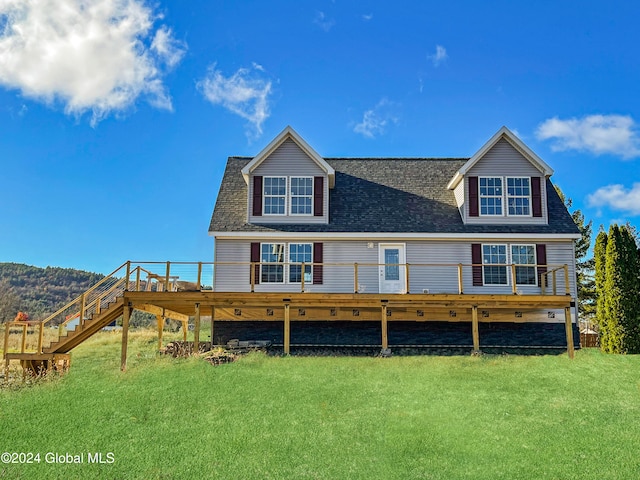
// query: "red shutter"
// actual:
[[255, 257], [318, 196], [317, 258], [476, 259], [473, 197], [257, 196], [541, 259], [536, 197]]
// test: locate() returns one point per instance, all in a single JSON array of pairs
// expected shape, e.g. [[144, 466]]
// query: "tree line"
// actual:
[[39, 291]]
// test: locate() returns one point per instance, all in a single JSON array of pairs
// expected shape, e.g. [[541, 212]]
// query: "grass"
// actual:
[[491, 417]]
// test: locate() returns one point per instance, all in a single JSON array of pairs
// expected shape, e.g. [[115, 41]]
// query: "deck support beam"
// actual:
[[569, 329], [475, 331], [196, 330], [287, 329], [160, 321], [213, 316], [126, 315], [383, 321]]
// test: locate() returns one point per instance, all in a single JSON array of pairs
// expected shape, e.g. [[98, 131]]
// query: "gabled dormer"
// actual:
[[505, 182], [288, 182]]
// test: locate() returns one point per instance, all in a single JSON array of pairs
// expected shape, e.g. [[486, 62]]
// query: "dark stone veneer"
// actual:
[[410, 337]]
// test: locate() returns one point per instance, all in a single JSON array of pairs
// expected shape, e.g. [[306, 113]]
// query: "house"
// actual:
[[459, 229]]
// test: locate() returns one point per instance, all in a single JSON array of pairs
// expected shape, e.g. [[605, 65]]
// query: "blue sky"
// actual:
[[117, 116]]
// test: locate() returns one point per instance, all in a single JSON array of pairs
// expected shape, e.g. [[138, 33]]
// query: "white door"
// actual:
[[392, 268]]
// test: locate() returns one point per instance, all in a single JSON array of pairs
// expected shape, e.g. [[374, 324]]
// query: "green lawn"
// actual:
[[492, 417]]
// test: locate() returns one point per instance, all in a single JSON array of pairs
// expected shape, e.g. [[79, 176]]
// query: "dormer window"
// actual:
[[493, 196], [519, 196], [275, 195], [301, 195], [490, 195]]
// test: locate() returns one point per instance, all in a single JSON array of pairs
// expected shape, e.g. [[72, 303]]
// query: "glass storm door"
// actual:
[[392, 268]]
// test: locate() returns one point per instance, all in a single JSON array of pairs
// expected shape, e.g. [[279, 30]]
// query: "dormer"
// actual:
[[503, 183], [288, 182]]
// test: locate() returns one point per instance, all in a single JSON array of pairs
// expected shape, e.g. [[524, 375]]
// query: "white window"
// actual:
[[299, 253], [272, 267], [521, 256], [494, 259], [490, 195], [519, 196], [301, 195], [275, 195]]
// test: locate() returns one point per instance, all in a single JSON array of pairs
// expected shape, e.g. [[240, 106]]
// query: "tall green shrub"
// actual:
[[613, 292], [599, 256], [630, 306]]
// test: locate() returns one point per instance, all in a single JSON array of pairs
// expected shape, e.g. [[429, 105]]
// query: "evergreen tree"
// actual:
[[630, 288], [613, 308], [599, 256]]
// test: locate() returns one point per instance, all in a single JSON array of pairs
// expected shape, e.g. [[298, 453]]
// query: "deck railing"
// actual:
[[200, 276]]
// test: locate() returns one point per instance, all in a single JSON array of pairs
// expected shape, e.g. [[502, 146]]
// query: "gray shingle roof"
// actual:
[[393, 195]]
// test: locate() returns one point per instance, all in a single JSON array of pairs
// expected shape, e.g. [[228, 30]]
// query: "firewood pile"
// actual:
[[220, 357], [185, 349]]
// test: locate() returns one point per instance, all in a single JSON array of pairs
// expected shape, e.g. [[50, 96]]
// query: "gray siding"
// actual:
[[440, 276], [285, 161], [505, 161], [458, 193]]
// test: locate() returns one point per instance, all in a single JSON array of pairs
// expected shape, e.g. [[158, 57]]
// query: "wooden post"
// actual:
[[166, 277], [513, 279], [567, 289], [82, 308], [543, 284], [98, 305], [475, 331], [406, 272], [199, 282], [40, 338], [302, 278], [287, 330], [196, 331], [24, 338], [160, 321], [128, 274], [355, 277], [460, 283], [185, 328], [138, 279], [213, 317], [253, 276], [126, 314], [555, 283], [383, 319], [569, 329], [7, 327]]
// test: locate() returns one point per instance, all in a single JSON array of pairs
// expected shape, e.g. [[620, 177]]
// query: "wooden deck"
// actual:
[[134, 287], [300, 307]]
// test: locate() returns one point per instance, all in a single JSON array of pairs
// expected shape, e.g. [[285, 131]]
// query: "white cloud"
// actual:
[[323, 22], [367, 16], [95, 56], [597, 134], [439, 57], [375, 120], [617, 197], [245, 93]]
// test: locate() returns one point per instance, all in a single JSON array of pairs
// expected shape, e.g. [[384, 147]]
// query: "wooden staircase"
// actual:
[[96, 308], [86, 328]]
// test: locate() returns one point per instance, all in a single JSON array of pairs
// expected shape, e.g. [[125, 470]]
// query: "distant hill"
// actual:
[[39, 291]]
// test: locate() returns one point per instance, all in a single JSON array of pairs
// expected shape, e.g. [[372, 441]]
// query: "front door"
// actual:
[[392, 268]]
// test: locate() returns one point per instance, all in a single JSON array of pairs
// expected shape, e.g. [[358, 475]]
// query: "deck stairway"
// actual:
[[46, 344], [82, 331]]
